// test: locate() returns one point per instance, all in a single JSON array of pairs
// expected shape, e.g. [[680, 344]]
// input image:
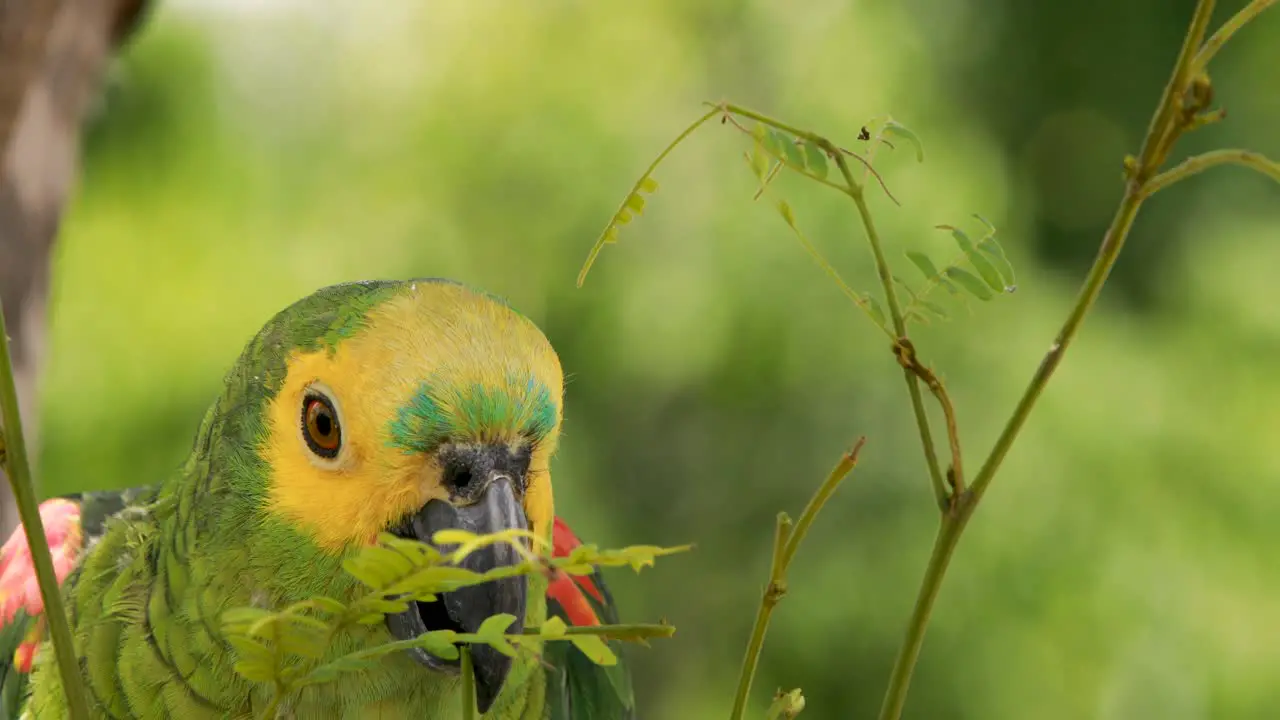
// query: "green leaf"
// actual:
[[892, 127], [966, 245], [991, 229], [594, 648], [992, 248], [788, 214], [635, 201], [795, 156], [439, 643], [365, 571], [554, 627], [970, 283], [649, 185], [987, 271], [775, 142], [495, 625], [925, 265], [815, 159]]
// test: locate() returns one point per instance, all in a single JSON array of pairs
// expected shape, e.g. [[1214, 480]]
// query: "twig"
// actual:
[[907, 358], [1199, 163], [786, 543], [19, 472], [1228, 29]]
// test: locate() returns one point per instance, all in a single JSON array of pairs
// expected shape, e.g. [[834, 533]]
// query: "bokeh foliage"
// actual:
[[1122, 567]]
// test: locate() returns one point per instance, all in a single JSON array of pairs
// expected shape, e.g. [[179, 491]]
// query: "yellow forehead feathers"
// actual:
[[435, 362]]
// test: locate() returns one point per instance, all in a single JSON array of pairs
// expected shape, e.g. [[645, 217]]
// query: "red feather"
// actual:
[[18, 587], [567, 589]]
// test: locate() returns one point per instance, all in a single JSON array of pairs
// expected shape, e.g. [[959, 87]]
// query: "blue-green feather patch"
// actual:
[[473, 412]]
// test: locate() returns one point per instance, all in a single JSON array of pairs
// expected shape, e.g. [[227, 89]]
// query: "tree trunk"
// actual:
[[53, 57]]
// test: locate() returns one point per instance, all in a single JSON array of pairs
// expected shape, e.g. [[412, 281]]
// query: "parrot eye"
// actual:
[[320, 426]]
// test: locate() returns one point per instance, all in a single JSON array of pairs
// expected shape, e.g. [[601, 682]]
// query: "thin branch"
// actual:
[[634, 632], [19, 472], [1199, 163], [1228, 29], [786, 542], [907, 358]]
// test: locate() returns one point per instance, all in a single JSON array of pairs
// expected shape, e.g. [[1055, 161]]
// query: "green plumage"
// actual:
[[166, 561]]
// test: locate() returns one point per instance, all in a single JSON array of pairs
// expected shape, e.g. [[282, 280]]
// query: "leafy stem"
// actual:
[[18, 469], [854, 190], [900, 329], [786, 543], [621, 213]]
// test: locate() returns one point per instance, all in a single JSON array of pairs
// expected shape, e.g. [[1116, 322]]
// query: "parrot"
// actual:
[[379, 406]]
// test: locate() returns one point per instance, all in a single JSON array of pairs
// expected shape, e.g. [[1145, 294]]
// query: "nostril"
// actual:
[[459, 477]]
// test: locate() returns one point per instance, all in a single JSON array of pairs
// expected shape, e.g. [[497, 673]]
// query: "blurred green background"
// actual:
[[1124, 565]]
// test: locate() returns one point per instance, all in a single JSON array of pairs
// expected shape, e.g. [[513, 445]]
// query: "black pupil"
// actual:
[[324, 423]]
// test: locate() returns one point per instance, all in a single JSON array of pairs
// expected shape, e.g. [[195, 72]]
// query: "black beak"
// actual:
[[494, 507]]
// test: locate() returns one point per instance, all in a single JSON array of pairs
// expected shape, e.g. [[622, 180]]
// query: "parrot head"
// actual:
[[408, 407]]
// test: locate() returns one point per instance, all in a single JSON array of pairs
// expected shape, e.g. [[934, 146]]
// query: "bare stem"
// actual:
[[1199, 163], [773, 592], [900, 681], [468, 685], [19, 471], [931, 381], [1167, 123], [1228, 29], [636, 632], [786, 542]]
